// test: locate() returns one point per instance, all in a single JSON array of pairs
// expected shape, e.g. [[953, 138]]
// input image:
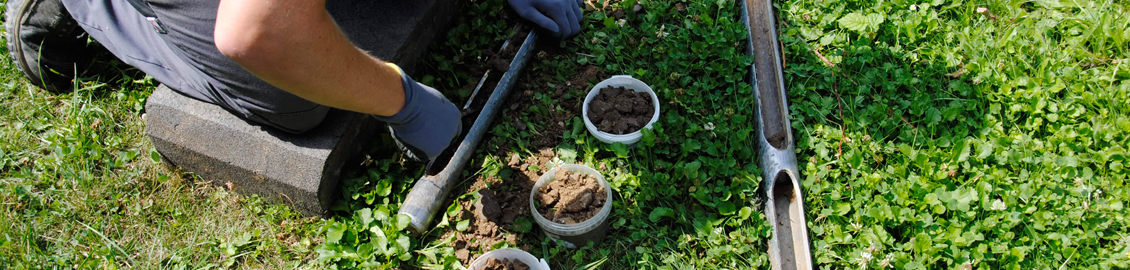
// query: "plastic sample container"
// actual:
[[617, 81], [577, 234], [512, 254]]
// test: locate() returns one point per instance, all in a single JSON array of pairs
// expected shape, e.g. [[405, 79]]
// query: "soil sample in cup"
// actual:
[[571, 198], [504, 264], [619, 110]]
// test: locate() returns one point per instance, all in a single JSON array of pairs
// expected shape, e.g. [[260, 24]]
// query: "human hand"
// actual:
[[427, 124], [562, 18]]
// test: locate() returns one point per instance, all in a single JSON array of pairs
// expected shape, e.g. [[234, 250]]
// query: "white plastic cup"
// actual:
[[557, 231], [512, 254], [617, 81]]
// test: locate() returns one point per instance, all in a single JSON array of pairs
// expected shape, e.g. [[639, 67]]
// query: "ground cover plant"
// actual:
[[682, 195], [962, 134], [931, 135], [572, 198], [82, 187]]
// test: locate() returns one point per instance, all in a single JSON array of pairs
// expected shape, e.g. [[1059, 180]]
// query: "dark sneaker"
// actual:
[[46, 43]]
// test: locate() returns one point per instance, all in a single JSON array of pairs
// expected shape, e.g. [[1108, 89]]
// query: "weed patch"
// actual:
[[930, 135], [961, 134], [685, 189]]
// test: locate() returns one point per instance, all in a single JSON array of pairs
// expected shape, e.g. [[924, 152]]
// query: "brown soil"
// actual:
[[504, 264], [499, 62], [501, 202], [510, 195], [550, 126], [587, 75], [612, 9], [618, 14], [619, 110], [571, 198]]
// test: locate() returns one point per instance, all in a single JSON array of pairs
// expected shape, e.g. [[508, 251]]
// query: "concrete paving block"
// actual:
[[301, 170]]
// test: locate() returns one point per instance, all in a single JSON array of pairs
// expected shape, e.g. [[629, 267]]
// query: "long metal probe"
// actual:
[[430, 191], [790, 247]]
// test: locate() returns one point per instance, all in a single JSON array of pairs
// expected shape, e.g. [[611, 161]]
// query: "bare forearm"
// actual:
[[296, 46]]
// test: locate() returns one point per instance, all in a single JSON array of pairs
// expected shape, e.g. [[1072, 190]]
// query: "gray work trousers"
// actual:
[[185, 58]]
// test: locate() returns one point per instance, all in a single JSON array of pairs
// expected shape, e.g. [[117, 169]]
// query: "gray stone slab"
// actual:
[[300, 170]]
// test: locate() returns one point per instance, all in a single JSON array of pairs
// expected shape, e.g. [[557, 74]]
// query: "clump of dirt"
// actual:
[[612, 9], [571, 198], [581, 79], [618, 14], [499, 62], [488, 205], [619, 110], [504, 264]]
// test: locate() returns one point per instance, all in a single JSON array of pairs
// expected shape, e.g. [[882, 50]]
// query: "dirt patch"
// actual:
[[504, 264], [618, 13], [501, 202], [619, 110], [582, 79], [567, 97], [488, 205], [491, 216], [612, 9], [501, 61], [572, 198], [509, 193]]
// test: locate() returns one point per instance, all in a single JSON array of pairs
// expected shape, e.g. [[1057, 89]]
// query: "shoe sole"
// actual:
[[18, 11], [46, 75]]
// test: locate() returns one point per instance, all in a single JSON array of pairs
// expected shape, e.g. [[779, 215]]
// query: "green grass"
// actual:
[[682, 195], [932, 135], [983, 134], [81, 186]]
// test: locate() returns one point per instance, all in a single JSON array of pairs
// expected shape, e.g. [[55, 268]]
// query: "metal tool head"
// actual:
[[790, 248], [430, 191]]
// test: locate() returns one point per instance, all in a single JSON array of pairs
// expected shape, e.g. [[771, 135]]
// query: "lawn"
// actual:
[[939, 135], [987, 134], [82, 186]]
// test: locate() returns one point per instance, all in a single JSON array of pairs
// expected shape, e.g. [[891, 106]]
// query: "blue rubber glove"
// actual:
[[427, 124], [562, 18]]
